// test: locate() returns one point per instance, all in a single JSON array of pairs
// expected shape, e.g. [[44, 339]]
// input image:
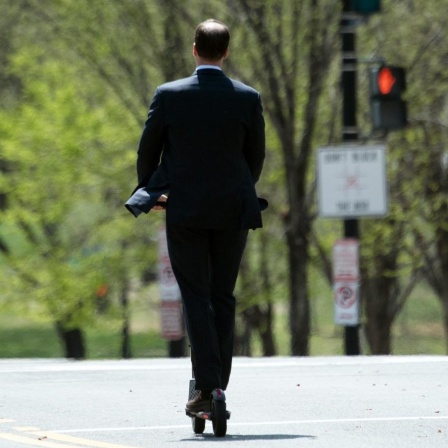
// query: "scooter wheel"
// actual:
[[198, 425], [219, 418]]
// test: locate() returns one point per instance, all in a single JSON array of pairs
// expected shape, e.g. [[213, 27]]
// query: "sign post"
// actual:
[[349, 132], [352, 183]]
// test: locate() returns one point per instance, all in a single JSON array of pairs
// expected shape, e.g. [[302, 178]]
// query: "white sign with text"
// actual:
[[352, 181]]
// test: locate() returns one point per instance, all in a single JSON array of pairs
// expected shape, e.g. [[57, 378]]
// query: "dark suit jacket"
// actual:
[[203, 142]]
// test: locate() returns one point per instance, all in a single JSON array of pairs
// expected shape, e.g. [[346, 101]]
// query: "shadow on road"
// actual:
[[245, 437]]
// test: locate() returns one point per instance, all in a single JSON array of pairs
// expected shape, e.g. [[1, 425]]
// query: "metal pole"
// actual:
[[349, 133]]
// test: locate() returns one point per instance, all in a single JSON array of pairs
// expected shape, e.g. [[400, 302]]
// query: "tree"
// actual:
[[393, 260], [57, 226], [80, 76], [292, 82], [290, 47]]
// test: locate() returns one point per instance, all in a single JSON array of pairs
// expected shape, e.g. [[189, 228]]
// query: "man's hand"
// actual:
[[161, 203]]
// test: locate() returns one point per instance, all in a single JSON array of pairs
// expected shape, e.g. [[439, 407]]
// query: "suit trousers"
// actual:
[[205, 263]]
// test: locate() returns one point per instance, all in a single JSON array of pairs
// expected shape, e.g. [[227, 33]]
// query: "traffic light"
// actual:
[[366, 7], [388, 109]]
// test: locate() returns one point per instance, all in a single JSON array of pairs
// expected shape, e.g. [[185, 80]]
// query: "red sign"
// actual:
[[171, 320], [171, 305], [345, 260]]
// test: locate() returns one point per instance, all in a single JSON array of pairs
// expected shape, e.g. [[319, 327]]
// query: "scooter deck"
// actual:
[[206, 415]]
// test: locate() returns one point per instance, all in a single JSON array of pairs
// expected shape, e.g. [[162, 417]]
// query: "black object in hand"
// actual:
[[161, 204]]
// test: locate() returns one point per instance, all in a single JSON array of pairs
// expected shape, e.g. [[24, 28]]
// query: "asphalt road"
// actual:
[[324, 402]]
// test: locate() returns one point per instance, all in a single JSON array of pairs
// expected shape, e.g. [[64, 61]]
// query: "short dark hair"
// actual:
[[211, 39]]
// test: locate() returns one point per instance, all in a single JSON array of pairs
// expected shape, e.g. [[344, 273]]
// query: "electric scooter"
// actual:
[[218, 413]]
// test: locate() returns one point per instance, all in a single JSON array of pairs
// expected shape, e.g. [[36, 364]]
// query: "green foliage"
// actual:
[[68, 147], [78, 78]]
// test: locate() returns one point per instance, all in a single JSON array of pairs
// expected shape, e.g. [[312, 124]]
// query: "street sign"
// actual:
[[171, 306], [346, 303], [352, 181], [169, 289], [346, 278], [171, 319], [346, 260]]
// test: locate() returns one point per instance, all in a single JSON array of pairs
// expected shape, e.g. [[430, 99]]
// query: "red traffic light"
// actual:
[[386, 80], [387, 84]]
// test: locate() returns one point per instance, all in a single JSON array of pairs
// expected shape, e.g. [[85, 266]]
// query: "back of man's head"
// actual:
[[211, 39]]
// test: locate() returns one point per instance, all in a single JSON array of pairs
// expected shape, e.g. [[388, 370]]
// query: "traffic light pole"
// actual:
[[349, 134]]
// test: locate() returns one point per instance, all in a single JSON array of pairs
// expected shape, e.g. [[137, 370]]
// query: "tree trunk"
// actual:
[[436, 269], [255, 285], [178, 348], [261, 321], [378, 326], [445, 321], [380, 295], [266, 332], [299, 307], [265, 327], [126, 351], [72, 341], [442, 253], [242, 339]]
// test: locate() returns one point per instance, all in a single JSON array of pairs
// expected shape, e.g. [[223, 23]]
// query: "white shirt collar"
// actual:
[[201, 67]]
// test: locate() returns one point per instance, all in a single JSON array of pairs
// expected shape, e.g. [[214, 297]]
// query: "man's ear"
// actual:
[[226, 54], [195, 52]]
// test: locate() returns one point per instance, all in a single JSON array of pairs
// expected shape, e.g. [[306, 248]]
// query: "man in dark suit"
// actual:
[[204, 143]]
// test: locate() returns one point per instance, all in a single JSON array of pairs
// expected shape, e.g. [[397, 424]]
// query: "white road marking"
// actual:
[[243, 363], [273, 423]]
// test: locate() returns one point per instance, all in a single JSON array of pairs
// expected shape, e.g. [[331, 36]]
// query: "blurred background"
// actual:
[[79, 274]]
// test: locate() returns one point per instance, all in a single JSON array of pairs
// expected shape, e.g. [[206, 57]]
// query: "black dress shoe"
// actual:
[[200, 402]]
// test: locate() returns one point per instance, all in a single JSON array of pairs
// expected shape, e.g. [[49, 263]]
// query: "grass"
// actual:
[[20, 338], [418, 330]]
